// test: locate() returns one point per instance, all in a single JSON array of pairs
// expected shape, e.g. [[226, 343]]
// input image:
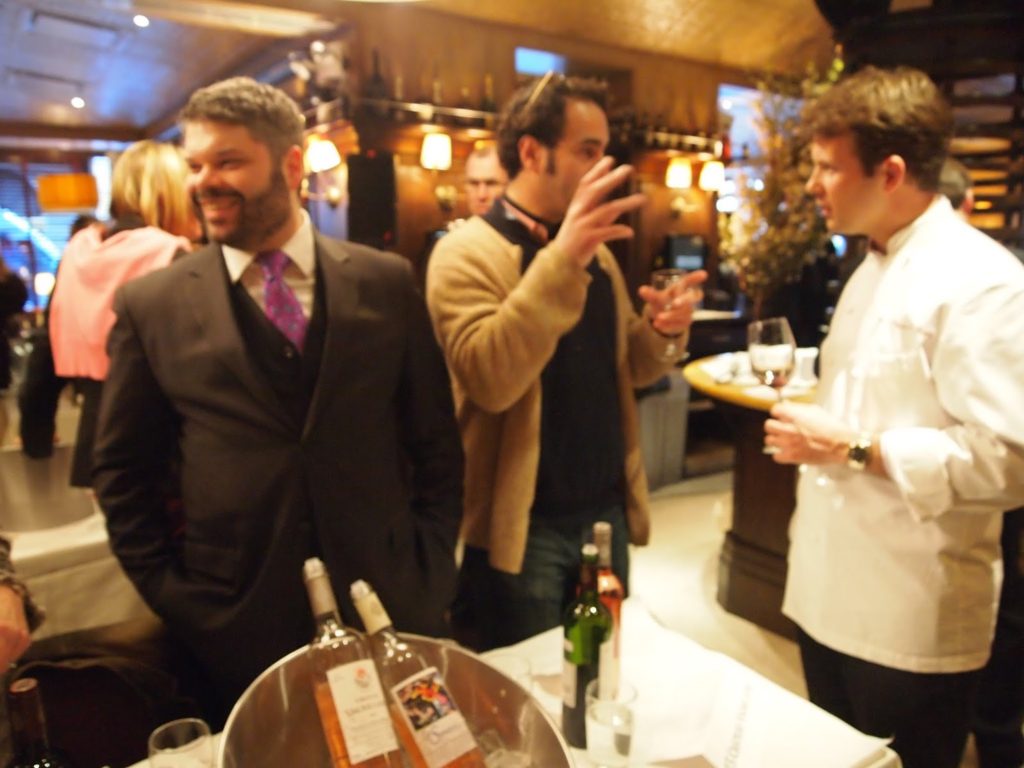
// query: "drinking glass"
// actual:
[[184, 743], [609, 724], [772, 351], [663, 280]]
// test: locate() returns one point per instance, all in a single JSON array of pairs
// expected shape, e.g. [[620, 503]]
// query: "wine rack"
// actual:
[[974, 55]]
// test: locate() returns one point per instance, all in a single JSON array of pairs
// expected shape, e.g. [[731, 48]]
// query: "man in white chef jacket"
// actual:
[[916, 443]]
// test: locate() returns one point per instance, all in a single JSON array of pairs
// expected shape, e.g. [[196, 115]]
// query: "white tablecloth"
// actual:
[[71, 571], [696, 707]]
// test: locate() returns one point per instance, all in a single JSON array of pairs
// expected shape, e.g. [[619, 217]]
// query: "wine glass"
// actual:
[[663, 280], [772, 351], [184, 743]]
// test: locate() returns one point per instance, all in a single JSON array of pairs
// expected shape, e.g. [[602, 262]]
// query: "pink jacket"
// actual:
[[91, 269]]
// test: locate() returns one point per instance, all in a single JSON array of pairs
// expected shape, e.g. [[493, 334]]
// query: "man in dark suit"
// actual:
[[295, 404]]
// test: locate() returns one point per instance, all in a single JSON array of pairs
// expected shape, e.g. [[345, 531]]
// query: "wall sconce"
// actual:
[[436, 152], [436, 155], [679, 174], [712, 176], [321, 155], [67, 192]]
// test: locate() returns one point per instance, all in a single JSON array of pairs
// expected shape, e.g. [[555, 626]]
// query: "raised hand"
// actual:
[[590, 220], [14, 637]]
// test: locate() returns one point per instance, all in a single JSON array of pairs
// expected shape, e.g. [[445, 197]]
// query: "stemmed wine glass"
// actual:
[[772, 350], [662, 280]]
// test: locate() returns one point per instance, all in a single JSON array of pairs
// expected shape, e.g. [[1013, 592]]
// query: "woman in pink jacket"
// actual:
[[152, 221]]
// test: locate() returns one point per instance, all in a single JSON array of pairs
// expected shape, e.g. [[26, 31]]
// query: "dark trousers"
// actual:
[[81, 461], [928, 715], [1000, 714], [493, 609]]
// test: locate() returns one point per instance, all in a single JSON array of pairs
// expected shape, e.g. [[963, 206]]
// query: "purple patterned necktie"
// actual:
[[280, 304]]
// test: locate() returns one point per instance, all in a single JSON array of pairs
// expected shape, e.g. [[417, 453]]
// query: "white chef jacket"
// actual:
[[926, 349]]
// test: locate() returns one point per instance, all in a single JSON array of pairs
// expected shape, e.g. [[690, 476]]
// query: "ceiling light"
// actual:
[[78, 102], [141, 20]]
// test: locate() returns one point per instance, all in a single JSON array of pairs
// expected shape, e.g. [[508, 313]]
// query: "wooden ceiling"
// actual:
[[134, 80]]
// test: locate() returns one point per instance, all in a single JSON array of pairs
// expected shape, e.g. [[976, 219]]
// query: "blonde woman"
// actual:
[[152, 221]]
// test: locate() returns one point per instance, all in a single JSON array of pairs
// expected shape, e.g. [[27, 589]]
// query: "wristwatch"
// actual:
[[858, 453]]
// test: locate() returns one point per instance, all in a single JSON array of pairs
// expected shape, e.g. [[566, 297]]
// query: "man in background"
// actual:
[[485, 179], [955, 183], [545, 350], [916, 445], [285, 391]]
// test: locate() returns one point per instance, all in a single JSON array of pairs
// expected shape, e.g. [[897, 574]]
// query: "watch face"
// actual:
[[858, 454]]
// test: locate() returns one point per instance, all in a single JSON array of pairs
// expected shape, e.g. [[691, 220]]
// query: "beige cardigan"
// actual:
[[498, 329]]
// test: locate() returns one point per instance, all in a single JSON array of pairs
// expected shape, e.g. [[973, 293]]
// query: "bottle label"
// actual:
[[362, 711], [568, 683], [608, 677], [429, 712]]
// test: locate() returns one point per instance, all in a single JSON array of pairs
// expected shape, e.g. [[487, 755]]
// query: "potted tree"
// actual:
[[776, 232]]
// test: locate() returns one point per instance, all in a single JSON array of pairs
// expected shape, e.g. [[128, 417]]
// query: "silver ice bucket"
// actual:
[[275, 722]]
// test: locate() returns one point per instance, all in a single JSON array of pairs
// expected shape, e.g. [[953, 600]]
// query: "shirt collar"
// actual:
[[300, 248], [939, 207]]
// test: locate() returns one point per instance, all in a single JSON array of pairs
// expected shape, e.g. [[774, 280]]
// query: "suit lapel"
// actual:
[[211, 305], [340, 299]]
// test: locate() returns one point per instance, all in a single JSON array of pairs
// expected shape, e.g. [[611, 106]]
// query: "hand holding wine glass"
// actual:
[[772, 350], [671, 298]]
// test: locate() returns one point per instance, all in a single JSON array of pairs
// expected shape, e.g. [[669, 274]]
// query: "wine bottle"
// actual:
[[611, 594], [588, 630], [487, 103], [349, 699], [376, 88], [436, 87], [398, 109], [30, 739], [429, 723]]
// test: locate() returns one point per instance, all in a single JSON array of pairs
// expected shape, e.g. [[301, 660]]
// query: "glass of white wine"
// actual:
[[663, 280], [772, 350]]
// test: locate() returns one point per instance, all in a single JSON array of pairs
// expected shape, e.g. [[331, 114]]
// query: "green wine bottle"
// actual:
[[29, 736], [588, 634]]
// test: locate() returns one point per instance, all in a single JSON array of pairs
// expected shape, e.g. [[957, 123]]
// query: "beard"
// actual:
[[259, 216]]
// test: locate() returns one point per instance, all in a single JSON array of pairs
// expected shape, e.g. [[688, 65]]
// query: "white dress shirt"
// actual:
[[299, 275], [926, 349]]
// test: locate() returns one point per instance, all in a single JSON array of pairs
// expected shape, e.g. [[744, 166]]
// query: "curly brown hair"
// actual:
[[889, 112], [271, 116], [538, 110]]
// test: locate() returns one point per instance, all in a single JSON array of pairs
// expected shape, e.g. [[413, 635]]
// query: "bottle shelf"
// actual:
[[429, 113]]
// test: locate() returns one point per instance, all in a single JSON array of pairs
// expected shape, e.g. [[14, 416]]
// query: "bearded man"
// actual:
[[286, 388]]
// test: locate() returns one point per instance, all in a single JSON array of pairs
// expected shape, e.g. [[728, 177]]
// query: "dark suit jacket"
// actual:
[[371, 482]]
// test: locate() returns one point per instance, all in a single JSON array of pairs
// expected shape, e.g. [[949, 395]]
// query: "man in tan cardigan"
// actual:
[[545, 350]]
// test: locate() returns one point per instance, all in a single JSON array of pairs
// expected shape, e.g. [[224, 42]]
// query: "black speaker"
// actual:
[[372, 199]]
